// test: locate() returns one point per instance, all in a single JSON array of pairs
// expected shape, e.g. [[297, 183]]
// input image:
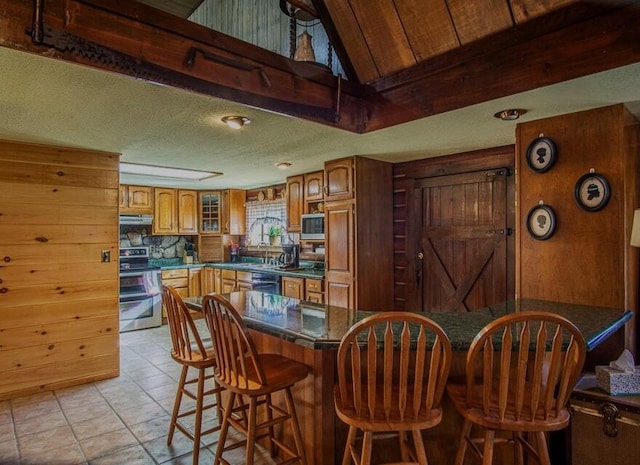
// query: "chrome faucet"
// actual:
[[265, 260]]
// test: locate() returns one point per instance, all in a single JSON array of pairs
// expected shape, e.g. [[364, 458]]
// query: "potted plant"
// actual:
[[275, 234]]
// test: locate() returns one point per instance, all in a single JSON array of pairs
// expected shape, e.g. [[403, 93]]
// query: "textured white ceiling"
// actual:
[[53, 102]]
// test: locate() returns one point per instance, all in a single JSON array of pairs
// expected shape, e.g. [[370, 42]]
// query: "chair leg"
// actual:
[[222, 437], [295, 426], [271, 443], [543, 449], [418, 443], [176, 404], [462, 446], [351, 438], [487, 454], [404, 446], [518, 449], [251, 430], [198, 421], [367, 446]]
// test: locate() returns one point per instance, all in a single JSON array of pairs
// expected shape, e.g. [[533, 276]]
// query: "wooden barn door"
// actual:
[[462, 252]]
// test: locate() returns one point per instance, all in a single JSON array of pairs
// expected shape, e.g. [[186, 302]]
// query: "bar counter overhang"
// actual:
[[311, 333]]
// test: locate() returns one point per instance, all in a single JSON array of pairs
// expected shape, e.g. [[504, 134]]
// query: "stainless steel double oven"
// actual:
[[140, 290]]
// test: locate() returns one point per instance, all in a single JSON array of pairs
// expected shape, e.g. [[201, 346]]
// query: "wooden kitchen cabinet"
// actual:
[[165, 211], [195, 281], [232, 280], [223, 212], [313, 290], [339, 179], [233, 211], [187, 212], [211, 280], [178, 278], [359, 264], [228, 281], [295, 203], [314, 187], [136, 199], [293, 287], [314, 192], [175, 212], [243, 280]]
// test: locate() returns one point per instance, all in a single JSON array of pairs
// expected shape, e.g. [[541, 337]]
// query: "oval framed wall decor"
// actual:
[[541, 154], [592, 192], [541, 222]]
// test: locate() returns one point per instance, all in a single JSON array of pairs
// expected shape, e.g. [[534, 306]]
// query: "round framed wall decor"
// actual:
[[541, 222], [541, 154], [592, 192]]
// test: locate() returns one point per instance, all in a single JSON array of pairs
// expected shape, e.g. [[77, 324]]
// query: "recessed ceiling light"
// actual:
[[235, 122], [166, 172], [510, 114], [283, 165]]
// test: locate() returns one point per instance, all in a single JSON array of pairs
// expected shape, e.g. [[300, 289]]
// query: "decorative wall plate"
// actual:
[[592, 192], [541, 154], [541, 222]]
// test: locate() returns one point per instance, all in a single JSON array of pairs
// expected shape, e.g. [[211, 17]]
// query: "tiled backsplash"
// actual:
[[159, 246]]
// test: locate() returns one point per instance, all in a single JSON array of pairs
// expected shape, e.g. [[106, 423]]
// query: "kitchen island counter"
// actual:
[[310, 333], [320, 326]]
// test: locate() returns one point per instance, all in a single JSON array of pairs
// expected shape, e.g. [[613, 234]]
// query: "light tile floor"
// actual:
[[118, 421]]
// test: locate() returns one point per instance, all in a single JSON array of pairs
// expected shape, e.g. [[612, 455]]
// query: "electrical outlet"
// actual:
[[106, 256]]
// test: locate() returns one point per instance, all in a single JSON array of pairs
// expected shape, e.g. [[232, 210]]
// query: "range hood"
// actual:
[[136, 219]]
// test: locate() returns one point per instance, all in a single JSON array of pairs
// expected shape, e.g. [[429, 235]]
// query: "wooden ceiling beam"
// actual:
[[507, 65], [146, 43]]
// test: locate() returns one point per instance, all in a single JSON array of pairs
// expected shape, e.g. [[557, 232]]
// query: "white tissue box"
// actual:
[[618, 383]]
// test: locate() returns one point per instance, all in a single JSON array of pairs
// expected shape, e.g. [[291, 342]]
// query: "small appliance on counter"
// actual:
[[290, 257], [188, 255]]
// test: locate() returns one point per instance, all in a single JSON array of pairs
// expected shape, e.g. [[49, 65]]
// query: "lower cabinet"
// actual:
[[293, 287], [303, 289], [232, 280], [313, 291], [186, 281], [211, 280]]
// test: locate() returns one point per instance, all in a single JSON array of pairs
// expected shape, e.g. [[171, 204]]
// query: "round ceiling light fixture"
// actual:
[[510, 114], [283, 165], [235, 122]]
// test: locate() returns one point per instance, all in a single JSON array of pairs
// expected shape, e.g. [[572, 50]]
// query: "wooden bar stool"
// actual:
[[189, 350], [520, 372], [392, 370], [244, 372]]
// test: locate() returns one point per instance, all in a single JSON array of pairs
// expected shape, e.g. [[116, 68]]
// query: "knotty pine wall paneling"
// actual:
[[58, 300], [588, 259]]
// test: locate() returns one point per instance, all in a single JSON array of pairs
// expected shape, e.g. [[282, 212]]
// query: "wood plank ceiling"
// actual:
[[381, 37], [377, 38]]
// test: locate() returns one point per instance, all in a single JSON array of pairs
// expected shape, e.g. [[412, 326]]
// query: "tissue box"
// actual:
[[616, 382]]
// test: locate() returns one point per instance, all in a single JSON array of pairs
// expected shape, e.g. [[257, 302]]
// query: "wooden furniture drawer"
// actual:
[[229, 274], [313, 285], [177, 273], [244, 276], [176, 282]]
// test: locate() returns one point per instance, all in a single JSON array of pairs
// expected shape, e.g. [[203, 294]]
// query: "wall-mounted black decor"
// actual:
[[541, 154], [541, 222], [592, 191]]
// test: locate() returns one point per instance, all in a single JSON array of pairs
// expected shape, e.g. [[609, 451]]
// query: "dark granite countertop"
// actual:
[[305, 270], [321, 326]]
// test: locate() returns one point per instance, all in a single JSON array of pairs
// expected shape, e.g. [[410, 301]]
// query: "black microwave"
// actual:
[[312, 227]]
